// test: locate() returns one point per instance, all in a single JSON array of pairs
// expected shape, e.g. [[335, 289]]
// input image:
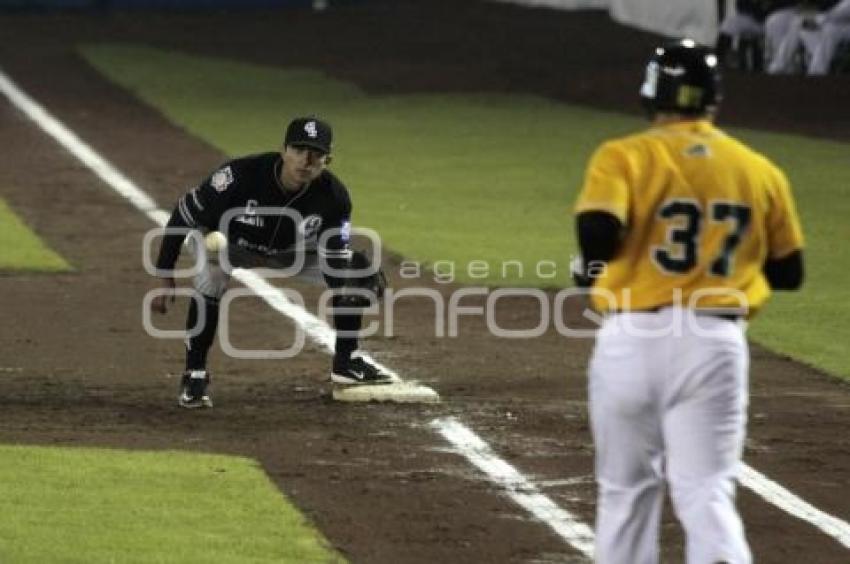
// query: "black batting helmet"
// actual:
[[681, 77]]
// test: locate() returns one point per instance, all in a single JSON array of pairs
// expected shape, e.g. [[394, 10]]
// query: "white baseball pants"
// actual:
[[668, 400], [780, 30]]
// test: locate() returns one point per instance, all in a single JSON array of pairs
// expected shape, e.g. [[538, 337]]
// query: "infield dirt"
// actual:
[[77, 368]]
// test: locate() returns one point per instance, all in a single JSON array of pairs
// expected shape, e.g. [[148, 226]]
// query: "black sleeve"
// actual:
[[203, 206], [200, 208], [169, 250], [785, 273], [599, 235]]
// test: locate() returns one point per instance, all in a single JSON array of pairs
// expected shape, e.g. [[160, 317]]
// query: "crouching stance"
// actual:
[[281, 210]]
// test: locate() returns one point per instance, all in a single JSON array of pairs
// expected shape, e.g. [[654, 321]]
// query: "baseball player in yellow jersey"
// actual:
[[693, 230]]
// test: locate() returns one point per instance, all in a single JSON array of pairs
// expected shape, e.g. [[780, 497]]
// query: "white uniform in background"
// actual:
[[834, 29], [777, 28], [741, 23], [817, 33]]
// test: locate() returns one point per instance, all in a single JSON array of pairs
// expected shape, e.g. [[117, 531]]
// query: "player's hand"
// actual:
[[160, 303]]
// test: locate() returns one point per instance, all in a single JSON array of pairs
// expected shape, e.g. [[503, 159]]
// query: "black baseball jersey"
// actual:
[[232, 199]]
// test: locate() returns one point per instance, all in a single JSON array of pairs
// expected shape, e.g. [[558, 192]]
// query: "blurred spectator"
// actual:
[[743, 34], [778, 25], [809, 44], [833, 30]]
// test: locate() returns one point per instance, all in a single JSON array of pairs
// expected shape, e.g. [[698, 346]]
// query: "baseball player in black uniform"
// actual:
[[307, 201]]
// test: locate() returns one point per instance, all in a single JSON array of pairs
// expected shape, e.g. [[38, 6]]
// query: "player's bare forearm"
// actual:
[[172, 242]]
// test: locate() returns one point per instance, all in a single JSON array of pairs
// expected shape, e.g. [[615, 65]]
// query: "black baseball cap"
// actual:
[[309, 132]]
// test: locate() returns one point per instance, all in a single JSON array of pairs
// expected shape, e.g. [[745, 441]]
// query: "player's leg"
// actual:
[[781, 38], [824, 49], [627, 439], [704, 429], [200, 336], [201, 325], [347, 368]]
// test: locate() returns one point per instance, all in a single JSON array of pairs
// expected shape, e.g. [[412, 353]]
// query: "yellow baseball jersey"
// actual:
[[702, 212]]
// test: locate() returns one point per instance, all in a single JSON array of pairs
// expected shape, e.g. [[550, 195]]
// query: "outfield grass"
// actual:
[[97, 506], [492, 178], [21, 249]]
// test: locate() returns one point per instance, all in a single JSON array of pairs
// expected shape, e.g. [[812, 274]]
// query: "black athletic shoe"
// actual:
[[193, 389], [357, 371]]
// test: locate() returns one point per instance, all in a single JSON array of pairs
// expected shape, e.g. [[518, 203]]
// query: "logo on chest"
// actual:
[[250, 216], [221, 179], [310, 226]]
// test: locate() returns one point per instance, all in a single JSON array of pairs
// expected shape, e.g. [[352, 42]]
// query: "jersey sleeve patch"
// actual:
[[221, 179]]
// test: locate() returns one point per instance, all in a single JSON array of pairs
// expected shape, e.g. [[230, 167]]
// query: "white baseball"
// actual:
[[215, 241]]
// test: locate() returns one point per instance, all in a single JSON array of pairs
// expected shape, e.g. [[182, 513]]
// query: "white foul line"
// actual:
[[464, 439], [799, 508], [515, 485]]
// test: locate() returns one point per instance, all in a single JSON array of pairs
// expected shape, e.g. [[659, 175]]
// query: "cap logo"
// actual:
[[221, 179], [310, 128]]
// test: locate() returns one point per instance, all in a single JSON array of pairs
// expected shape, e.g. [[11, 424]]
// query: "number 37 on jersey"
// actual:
[[700, 211]]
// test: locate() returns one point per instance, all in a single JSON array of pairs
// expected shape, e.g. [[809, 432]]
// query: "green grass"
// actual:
[[485, 177], [97, 506], [810, 325], [21, 249], [440, 177]]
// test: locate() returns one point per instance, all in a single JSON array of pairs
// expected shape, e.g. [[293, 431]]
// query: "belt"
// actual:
[[702, 312]]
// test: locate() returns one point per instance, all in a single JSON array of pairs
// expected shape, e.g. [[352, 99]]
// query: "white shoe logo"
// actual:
[[359, 375]]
